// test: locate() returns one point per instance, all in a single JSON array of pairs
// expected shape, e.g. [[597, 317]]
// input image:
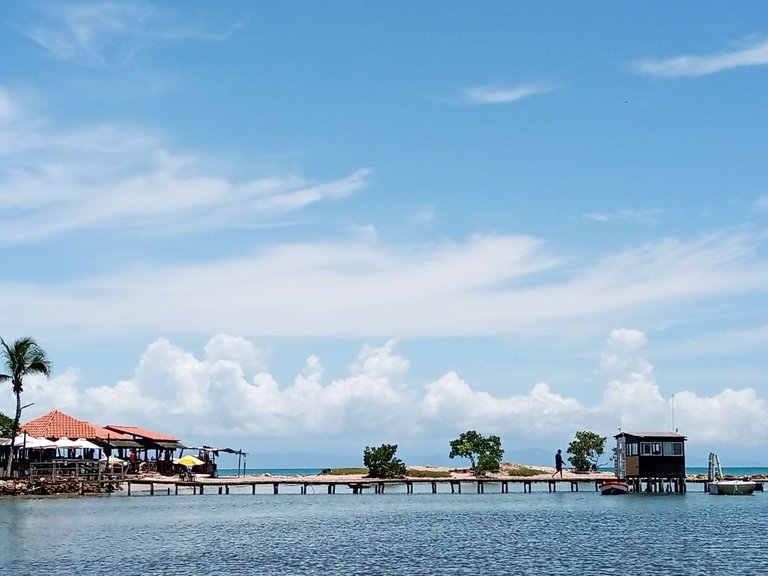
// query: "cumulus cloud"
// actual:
[[687, 65], [228, 392]]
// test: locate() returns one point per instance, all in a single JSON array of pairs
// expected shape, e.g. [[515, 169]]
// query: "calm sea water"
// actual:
[[386, 534]]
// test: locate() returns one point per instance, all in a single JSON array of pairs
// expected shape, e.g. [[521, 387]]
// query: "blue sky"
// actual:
[[310, 227]]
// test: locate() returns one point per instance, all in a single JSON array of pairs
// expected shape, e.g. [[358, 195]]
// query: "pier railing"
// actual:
[[76, 469]]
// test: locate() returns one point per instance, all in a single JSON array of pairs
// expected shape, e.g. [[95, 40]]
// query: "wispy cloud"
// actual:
[[502, 94], [642, 216], [53, 182], [687, 65], [113, 32], [484, 286], [422, 217], [761, 202]]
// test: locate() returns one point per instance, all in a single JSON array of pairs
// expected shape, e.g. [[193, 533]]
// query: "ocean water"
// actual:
[[541, 533]]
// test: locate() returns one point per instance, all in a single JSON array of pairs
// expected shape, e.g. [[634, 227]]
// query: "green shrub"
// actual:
[[381, 461], [410, 472]]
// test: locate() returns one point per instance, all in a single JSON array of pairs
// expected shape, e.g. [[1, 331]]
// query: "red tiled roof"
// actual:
[[142, 433], [56, 425]]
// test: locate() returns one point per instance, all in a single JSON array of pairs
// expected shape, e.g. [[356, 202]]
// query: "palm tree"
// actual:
[[23, 358]]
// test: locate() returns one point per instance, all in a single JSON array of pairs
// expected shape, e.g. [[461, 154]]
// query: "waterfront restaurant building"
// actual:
[[653, 456]]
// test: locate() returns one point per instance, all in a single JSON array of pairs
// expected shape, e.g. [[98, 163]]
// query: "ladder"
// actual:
[[715, 472]]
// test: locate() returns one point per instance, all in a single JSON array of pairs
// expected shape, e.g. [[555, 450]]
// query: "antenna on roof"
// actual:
[[672, 406]]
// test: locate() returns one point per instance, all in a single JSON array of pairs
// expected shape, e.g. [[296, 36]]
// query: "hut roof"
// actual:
[[142, 433], [56, 425], [674, 435]]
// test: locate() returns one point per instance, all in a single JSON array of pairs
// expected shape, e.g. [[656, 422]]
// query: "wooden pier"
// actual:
[[225, 485]]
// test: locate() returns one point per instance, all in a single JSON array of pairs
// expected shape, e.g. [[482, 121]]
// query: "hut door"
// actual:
[[620, 458]]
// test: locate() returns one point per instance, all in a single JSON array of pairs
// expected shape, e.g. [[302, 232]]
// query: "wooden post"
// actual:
[[169, 491], [409, 487], [201, 489], [220, 490], [505, 487], [253, 488], [434, 487], [275, 486], [527, 486], [129, 488], [151, 489]]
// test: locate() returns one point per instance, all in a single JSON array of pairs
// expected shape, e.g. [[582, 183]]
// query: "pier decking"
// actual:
[[226, 485]]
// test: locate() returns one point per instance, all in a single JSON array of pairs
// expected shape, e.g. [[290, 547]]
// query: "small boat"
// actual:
[[718, 484], [613, 488], [732, 487]]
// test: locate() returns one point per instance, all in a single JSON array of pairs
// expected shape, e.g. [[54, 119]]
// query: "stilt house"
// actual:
[[653, 456]]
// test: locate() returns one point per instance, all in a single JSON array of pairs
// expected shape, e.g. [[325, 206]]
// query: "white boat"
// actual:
[[613, 488], [719, 485], [732, 487]]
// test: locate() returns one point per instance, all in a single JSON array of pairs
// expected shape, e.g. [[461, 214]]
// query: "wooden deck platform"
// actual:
[[225, 485]]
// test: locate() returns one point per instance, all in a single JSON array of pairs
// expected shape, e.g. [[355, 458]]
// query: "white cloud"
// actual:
[[92, 31], [486, 285], [102, 33], [755, 55], [423, 217], [56, 182], [9, 111], [642, 216], [761, 202], [501, 94], [174, 391]]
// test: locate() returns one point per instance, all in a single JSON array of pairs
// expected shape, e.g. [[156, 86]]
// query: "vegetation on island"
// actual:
[[586, 448], [520, 471], [409, 472], [22, 358], [382, 463], [484, 453], [6, 423]]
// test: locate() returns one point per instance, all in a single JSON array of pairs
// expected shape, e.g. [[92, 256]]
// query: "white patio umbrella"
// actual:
[[66, 443], [30, 442], [87, 445]]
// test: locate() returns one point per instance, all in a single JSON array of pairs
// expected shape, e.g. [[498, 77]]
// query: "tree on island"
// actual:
[[381, 462], [6, 423], [484, 453], [24, 357], [586, 448]]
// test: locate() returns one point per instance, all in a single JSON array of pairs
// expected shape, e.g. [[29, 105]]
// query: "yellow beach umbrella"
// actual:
[[188, 460]]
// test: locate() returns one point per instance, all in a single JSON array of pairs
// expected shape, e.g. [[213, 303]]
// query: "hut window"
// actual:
[[632, 449], [673, 448], [650, 448]]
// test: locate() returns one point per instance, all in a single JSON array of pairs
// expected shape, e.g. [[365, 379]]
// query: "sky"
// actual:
[[303, 228]]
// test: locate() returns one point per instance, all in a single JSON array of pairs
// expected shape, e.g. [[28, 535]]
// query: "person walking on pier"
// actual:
[[558, 464]]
